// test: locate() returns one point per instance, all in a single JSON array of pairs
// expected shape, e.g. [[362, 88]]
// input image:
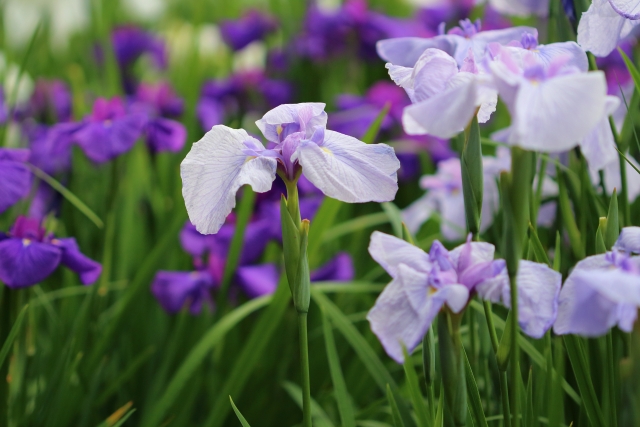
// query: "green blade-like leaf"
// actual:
[[417, 400], [197, 355], [6, 346], [472, 176], [242, 419], [345, 408], [613, 223], [601, 246], [395, 414], [475, 404], [67, 194], [320, 417], [536, 245], [371, 133], [504, 349], [395, 217], [322, 222]]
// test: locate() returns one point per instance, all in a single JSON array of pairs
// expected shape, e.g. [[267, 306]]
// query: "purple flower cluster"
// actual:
[[252, 26]]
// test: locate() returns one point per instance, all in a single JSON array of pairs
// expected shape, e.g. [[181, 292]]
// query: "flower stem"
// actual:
[[304, 365]]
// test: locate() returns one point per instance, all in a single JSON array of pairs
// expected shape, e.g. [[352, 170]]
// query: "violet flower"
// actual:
[[50, 102], [252, 26], [406, 51], [553, 108], [423, 284], [15, 176], [174, 289], [444, 97], [158, 103], [602, 291], [129, 44], [444, 196], [109, 131], [340, 166], [51, 146], [605, 24], [29, 255]]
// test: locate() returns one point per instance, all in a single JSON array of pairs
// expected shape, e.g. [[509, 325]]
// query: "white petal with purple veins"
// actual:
[[630, 9], [290, 113], [599, 147], [214, 170], [405, 51], [390, 252], [600, 27], [349, 170], [629, 240]]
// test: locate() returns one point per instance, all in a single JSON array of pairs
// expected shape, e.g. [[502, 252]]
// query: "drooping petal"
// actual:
[[599, 147], [214, 170], [349, 170], [25, 262], [556, 114], [431, 73], [88, 269], [393, 318], [405, 51], [600, 27], [443, 115], [629, 240], [258, 280], [616, 285], [455, 296], [390, 252]]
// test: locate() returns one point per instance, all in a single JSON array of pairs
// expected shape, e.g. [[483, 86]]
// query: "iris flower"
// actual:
[[225, 159], [605, 23], [15, 176]]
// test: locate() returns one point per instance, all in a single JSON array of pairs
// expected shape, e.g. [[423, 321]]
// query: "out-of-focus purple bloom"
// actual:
[[175, 289], [51, 146], [28, 255], [109, 131], [553, 108], [601, 28], [15, 176], [359, 112], [444, 97], [258, 280], [444, 196], [4, 111], [130, 43], [239, 93], [619, 81], [601, 292], [342, 167], [252, 26], [338, 269], [406, 51], [569, 10], [50, 102], [422, 284], [162, 97]]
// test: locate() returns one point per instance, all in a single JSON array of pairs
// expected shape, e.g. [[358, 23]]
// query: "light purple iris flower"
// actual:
[[422, 284], [602, 291], [28, 255], [554, 107], [444, 97], [15, 176], [521, 7], [159, 103], [605, 24], [444, 196], [109, 131], [252, 26], [457, 43], [340, 166]]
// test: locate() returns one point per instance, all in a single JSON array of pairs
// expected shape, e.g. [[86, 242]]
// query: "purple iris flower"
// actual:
[[340, 166], [630, 9], [29, 255], [50, 102], [252, 26], [158, 103], [602, 291], [605, 24], [51, 145], [338, 269], [444, 196], [444, 97], [175, 289], [423, 284], [109, 131], [129, 44], [15, 176], [406, 51]]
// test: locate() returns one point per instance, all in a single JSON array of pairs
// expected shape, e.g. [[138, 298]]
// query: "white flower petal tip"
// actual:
[[349, 170], [214, 170]]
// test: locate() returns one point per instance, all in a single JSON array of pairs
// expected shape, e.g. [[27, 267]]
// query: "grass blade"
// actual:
[[318, 414], [345, 408], [475, 404], [395, 413], [243, 421], [414, 391], [6, 347], [370, 135]]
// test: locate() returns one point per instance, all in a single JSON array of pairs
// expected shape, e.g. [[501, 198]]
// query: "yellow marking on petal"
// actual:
[[431, 290], [249, 158], [279, 129], [26, 242], [326, 150]]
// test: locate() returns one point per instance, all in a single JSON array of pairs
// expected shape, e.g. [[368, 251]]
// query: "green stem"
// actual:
[[514, 367], [504, 388], [304, 364], [5, 327]]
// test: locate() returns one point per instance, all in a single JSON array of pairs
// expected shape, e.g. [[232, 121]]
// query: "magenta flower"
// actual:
[[29, 255]]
